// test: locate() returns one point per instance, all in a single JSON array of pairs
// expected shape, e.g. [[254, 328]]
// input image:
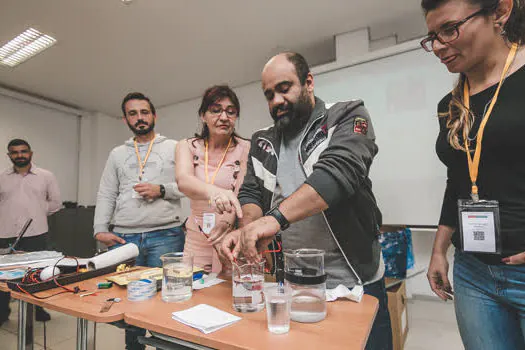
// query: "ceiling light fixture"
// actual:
[[25, 46]]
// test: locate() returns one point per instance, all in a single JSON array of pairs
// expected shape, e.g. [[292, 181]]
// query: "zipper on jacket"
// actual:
[[274, 248]]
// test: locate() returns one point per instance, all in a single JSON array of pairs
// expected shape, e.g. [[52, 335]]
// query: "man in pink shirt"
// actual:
[[26, 192]]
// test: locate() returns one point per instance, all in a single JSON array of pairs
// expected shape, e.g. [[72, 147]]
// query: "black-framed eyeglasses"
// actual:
[[447, 34], [216, 109]]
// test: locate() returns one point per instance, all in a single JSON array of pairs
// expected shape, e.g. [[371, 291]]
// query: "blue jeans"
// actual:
[[490, 303], [381, 334], [151, 245]]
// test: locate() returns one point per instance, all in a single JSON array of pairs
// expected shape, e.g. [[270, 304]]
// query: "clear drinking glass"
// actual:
[[247, 286], [278, 306], [177, 276]]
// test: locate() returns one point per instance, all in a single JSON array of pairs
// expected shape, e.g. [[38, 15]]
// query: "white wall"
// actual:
[[75, 148], [98, 136], [53, 137]]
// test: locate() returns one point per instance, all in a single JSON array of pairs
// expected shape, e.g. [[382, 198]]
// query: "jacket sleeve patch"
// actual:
[[360, 126]]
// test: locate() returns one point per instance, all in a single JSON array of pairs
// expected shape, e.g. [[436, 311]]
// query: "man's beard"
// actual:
[[137, 131], [297, 115], [21, 162]]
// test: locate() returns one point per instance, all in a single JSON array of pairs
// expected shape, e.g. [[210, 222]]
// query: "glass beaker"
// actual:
[[304, 274], [247, 285], [177, 276]]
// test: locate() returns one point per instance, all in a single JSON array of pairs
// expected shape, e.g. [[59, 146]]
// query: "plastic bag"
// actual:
[[398, 253]]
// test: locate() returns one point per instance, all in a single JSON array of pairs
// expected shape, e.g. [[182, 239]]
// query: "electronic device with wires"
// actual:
[[31, 282]]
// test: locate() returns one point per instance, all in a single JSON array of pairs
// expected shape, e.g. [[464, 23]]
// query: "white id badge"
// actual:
[[208, 222], [135, 194], [479, 225]]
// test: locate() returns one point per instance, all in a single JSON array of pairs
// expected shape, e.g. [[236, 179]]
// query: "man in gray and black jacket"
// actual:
[[307, 182]]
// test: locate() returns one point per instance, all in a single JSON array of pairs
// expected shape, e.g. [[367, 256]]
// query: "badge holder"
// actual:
[[479, 226], [208, 222], [135, 194]]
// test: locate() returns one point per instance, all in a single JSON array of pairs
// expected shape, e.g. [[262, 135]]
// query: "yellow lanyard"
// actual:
[[141, 163], [473, 164], [218, 166]]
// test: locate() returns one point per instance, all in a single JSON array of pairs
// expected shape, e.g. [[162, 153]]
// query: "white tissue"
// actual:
[[356, 294], [205, 318], [115, 256]]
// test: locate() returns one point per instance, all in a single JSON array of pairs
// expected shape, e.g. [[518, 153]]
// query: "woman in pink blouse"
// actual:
[[210, 168]]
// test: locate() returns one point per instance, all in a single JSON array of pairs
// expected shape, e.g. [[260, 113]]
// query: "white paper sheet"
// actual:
[[205, 318]]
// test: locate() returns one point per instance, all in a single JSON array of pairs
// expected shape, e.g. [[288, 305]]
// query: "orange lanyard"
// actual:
[[218, 166], [141, 163], [473, 164]]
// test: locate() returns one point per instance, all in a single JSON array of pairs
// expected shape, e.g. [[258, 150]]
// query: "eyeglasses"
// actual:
[[447, 34], [216, 110]]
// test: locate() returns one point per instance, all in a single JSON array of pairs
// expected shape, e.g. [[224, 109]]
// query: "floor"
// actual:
[[432, 325]]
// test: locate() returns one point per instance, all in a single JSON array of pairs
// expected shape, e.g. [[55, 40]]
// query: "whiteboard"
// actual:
[[53, 137], [401, 93]]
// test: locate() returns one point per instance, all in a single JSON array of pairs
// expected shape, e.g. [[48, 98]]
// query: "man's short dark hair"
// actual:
[[301, 66], [137, 96], [18, 142]]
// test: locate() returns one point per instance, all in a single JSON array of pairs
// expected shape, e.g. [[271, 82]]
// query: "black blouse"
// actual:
[[502, 165]]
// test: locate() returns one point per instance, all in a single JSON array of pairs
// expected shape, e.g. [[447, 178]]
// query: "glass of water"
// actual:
[[177, 276], [278, 305]]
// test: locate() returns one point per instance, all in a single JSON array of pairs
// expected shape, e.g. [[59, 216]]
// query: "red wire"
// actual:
[[267, 251], [31, 277], [274, 251]]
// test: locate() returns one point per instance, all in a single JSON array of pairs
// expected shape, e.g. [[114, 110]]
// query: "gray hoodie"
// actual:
[[115, 202]]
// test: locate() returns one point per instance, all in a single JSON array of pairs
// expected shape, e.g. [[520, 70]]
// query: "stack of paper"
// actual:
[[205, 318], [30, 258]]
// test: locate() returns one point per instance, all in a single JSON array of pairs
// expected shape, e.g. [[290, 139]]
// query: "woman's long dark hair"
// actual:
[[458, 116]]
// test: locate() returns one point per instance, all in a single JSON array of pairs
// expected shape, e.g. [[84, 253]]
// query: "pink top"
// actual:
[[34, 195], [230, 176]]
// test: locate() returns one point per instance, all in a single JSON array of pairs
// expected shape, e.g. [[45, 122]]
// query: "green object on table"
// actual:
[[104, 285]]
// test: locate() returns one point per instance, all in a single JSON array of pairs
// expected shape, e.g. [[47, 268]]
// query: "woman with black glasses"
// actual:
[[210, 168], [481, 142]]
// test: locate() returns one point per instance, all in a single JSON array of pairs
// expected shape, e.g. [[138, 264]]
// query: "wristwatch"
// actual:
[[276, 213], [162, 191]]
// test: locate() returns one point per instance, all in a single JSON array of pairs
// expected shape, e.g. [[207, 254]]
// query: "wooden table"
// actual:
[[83, 308], [347, 324]]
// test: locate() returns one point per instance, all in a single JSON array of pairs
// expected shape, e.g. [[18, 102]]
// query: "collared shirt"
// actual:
[[34, 195]]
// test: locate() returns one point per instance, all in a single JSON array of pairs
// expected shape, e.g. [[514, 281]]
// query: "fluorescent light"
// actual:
[[25, 46]]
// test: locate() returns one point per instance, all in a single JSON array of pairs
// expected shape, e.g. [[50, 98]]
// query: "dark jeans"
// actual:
[[152, 245], [381, 334], [28, 244]]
